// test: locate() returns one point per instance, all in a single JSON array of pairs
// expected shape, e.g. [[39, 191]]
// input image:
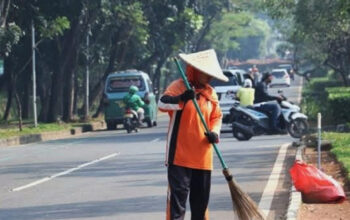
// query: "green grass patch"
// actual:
[[11, 132], [341, 147]]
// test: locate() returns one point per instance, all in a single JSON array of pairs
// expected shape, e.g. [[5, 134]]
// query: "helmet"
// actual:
[[248, 83], [133, 89]]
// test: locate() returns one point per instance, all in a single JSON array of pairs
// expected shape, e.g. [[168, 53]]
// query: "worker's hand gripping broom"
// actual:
[[245, 207]]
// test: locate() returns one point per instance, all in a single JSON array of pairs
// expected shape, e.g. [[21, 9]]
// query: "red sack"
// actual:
[[316, 186]]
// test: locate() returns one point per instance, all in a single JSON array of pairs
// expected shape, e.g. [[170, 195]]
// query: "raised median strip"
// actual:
[[51, 135]]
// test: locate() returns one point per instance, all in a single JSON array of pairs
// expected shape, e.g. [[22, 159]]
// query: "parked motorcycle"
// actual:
[[248, 122], [130, 120]]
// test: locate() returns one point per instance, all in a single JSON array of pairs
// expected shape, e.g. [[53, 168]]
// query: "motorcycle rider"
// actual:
[[133, 100], [246, 93], [273, 109]]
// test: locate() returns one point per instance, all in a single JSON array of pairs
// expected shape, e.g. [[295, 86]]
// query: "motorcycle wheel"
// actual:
[[127, 125], [298, 127], [241, 136]]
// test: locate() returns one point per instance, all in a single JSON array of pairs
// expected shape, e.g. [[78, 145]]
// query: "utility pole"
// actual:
[[86, 113], [34, 76]]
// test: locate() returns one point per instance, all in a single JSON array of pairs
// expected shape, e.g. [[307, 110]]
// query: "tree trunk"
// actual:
[[26, 98], [69, 87], [120, 58], [19, 110], [98, 88], [4, 11], [203, 33], [9, 78], [9, 101], [67, 54], [76, 95], [157, 75], [44, 101]]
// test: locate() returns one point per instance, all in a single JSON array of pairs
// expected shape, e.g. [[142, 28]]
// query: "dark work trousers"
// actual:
[[184, 181], [273, 110]]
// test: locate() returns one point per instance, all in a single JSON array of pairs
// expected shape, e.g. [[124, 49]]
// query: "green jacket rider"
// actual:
[[132, 99]]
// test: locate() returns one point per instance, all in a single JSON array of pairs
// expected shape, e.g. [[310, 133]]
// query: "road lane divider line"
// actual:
[[271, 186], [45, 179]]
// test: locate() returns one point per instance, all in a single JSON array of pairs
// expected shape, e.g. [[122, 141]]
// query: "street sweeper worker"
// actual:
[[189, 152]]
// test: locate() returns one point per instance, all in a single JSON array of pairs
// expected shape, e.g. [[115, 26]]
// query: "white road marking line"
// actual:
[[155, 140], [270, 188], [63, 173]]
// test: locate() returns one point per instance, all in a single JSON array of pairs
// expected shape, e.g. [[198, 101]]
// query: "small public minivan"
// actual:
[[117, 86]]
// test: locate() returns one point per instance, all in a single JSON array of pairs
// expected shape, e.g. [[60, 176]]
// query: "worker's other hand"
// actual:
[[212, 137], [187, 95]]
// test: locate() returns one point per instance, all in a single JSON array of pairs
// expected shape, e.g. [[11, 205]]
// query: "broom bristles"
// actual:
[[245, 207]]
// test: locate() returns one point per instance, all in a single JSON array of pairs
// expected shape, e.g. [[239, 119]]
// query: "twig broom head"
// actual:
[[245, 207]]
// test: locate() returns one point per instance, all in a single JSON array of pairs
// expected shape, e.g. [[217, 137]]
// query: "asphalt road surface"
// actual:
[[115, 175]]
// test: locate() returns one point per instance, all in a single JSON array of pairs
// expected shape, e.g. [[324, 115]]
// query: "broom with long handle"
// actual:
[[245, 207]]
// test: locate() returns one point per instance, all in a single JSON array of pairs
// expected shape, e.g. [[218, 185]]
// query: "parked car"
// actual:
[[280, 77], [226, 92], [117, 86], [240, 73]]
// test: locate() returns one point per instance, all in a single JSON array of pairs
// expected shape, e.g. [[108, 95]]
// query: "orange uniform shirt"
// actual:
[[187, 145]]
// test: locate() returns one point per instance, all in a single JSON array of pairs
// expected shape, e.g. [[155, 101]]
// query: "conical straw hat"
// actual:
[[206, 61]]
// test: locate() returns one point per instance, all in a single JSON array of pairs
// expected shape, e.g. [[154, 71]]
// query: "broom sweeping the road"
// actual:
[[189, 154]]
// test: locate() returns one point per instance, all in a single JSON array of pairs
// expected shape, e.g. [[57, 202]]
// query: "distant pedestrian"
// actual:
[[256, 75]]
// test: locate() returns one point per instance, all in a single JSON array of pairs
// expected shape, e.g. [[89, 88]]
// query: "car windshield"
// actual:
[[279, 74], [122, 83], [232, 81]]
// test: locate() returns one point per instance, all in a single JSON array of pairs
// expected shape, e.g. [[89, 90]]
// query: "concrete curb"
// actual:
[[52, 135], [295, 200]]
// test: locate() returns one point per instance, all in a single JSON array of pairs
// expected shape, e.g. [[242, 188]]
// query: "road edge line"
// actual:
[[272, 183]]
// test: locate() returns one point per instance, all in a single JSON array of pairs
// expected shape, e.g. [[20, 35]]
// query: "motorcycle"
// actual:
[[248, 121], [130, 120]]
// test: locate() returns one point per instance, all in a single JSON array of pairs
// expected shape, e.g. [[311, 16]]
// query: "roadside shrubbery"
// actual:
[[339, 103], [341, 147], [6, 133], [326, 96]]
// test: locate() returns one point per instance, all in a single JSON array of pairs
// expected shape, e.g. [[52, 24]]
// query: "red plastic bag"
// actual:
[[316, 186]]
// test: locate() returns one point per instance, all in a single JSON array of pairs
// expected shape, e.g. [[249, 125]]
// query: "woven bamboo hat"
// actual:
[[205, 61]]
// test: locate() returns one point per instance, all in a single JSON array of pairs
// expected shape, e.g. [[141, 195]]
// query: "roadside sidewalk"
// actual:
[[52, 135]]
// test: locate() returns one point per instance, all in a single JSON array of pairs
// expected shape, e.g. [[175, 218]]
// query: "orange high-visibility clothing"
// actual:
[[187, 144]]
